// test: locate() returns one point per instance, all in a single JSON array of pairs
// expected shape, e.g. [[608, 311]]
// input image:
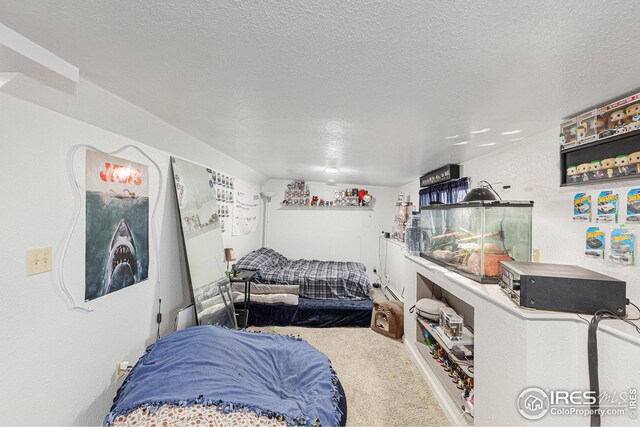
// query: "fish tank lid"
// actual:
[[481, 203]]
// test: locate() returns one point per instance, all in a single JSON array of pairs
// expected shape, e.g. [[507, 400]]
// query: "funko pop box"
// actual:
[[586, 127], [619, 117], [568, 132]]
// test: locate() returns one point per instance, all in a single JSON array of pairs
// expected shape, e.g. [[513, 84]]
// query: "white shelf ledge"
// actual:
[[325, 208]]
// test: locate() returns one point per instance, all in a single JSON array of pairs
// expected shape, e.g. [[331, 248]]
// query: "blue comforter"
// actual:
[[268, 373]]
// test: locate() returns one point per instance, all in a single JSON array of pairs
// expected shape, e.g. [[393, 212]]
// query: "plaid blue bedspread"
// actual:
[[320, 279]]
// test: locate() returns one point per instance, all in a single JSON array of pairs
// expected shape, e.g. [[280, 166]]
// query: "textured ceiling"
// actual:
[[369, 87]]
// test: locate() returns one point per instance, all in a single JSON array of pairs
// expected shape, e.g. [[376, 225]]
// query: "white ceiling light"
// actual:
[[481, 130], [511, 132], [452, 136], [516, 139], [332, 181], [331, 170], [460, 143], [487, 144]]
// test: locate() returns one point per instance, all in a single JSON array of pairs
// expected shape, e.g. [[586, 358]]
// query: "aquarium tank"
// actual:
[[472, 238]]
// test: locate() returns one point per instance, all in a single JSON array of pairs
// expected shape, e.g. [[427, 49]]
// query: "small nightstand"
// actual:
[[243, 314]]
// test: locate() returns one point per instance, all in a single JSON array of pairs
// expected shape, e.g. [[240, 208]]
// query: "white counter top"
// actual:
[[494, 295]]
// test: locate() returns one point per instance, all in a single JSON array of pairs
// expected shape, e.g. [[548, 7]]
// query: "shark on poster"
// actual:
[[117, 224]]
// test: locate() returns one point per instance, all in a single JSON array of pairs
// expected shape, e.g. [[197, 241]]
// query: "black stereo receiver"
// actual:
[[562, 287]]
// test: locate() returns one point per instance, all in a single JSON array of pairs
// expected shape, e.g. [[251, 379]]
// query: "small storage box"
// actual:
[[387, 318], [451, 325]]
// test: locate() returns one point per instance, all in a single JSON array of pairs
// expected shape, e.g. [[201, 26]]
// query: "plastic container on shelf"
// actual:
[[412, 235]]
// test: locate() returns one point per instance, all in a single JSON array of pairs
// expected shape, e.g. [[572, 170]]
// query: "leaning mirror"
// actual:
[[203, 246]]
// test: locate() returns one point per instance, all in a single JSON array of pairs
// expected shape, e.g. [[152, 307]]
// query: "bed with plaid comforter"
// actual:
[[316, 279]]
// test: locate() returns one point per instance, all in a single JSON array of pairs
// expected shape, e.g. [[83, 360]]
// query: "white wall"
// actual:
[[58, 363], [531, 167], [330, 234]]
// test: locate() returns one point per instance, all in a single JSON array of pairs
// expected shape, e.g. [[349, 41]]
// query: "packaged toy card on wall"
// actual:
[[586, 130], [622, 247], [582, 207], [633, 206], [568, 132], [607, 207], [619, 117], [595, 243]]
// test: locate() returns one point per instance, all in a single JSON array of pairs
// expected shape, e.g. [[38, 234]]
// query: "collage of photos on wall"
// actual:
[[222, 187]]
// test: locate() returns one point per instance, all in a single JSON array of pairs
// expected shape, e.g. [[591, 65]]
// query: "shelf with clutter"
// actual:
[[297, 196], [602, 145]]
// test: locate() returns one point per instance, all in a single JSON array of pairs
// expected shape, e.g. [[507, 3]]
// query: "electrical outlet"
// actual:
[[535, 255], [39, 261]]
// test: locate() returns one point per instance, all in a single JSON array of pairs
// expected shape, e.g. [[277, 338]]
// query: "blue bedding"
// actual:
[[315, 313], [271, 374]]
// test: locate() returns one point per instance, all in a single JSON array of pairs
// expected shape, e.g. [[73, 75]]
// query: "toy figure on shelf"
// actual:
[[617, 120], [583, 171], [454, 369], [634, 162], [608, 164], [581, 132], [572, 174], [436, 348], [596, 169], [633, 112], [447, 366], [622, 162]]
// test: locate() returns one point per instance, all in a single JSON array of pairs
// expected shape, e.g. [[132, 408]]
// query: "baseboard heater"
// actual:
[[392, 295]]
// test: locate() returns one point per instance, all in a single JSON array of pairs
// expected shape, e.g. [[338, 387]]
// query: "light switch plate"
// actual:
[[39, 261]]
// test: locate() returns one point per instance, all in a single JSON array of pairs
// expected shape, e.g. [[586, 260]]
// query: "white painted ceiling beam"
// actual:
[[33, 52]]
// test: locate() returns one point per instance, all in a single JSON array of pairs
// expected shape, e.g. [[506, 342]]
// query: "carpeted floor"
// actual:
[[383, 386]]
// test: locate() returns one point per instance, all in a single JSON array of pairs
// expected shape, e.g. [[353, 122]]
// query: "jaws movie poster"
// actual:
[[117, 230]]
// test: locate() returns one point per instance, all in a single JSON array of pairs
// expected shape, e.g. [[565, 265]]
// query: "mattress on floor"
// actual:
[[312, 313]]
